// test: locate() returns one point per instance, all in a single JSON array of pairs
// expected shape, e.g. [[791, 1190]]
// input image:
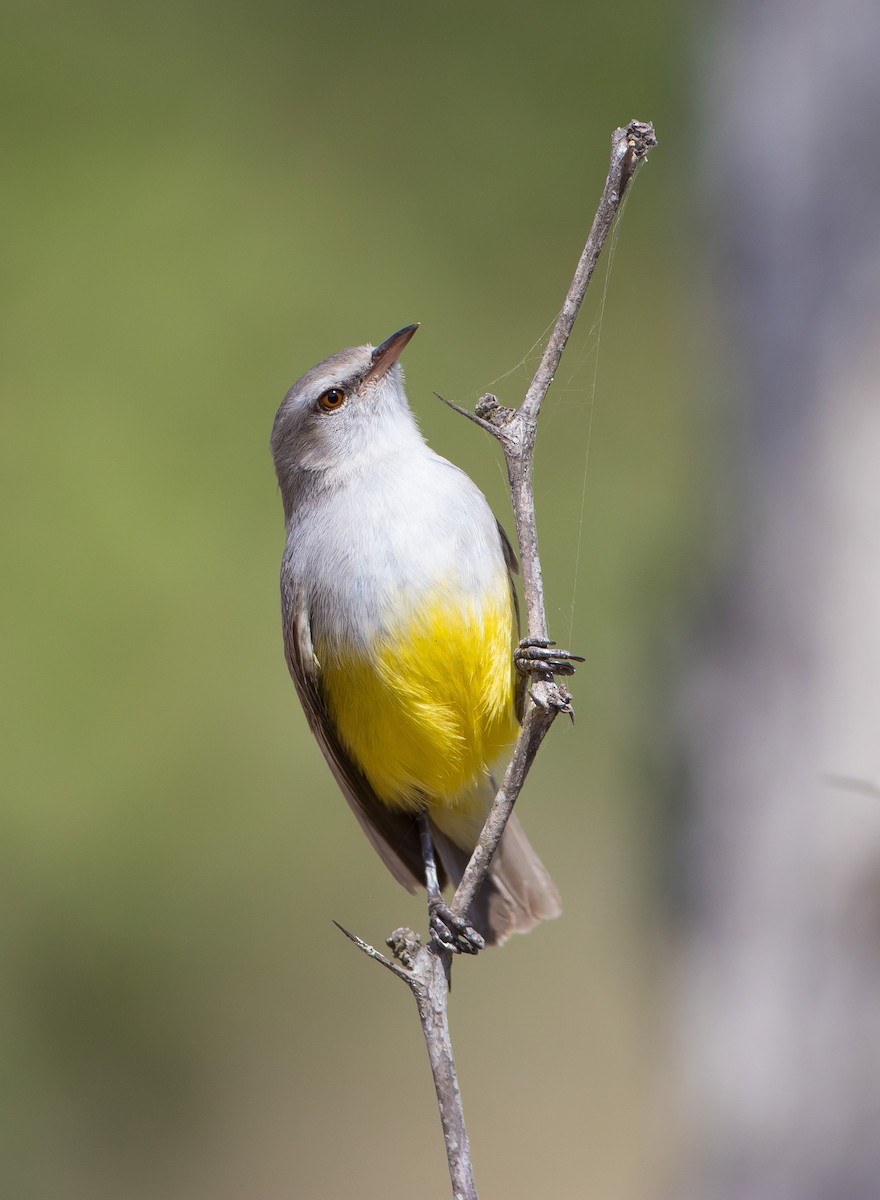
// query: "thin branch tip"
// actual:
[[466, 412], [372, 952]]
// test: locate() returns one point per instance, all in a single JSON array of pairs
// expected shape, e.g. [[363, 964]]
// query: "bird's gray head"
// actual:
[[343, 414]]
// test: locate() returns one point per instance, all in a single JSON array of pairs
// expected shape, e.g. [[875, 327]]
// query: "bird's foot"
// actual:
[[538, 655], [451, 932]]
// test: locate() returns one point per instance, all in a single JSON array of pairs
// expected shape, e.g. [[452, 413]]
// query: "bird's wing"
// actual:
[[512, 563], [393, 833], [521, 682]]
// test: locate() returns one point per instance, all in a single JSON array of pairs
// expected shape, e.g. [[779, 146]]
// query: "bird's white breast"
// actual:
[[371, 549]]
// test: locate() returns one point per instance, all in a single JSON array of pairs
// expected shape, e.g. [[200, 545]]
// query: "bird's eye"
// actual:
[[332, 399]]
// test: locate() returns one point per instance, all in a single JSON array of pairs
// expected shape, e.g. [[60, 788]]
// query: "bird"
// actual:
[[399, 619]]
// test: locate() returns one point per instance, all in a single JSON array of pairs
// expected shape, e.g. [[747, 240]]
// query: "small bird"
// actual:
[[400, 619]]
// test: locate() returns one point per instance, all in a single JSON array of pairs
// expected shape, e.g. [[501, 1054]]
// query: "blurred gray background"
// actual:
[[199, 202]]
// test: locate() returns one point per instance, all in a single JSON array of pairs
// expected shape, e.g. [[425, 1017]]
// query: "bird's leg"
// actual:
[[448, 931], [535, 655]]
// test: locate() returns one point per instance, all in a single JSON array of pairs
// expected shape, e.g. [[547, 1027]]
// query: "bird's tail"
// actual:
[[518, 892]]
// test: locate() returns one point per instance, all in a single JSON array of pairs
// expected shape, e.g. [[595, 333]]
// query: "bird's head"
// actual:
[[344, 412]]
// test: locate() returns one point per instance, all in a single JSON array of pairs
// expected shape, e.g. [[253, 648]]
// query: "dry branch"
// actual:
[[425, 968]]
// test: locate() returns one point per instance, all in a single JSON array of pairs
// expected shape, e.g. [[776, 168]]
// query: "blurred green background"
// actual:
[[200, 202]]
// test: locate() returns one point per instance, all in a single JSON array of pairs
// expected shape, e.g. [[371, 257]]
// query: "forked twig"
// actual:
[[425, 968]]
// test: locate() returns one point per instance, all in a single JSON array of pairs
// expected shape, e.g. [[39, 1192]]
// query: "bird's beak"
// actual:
[[385, 356]]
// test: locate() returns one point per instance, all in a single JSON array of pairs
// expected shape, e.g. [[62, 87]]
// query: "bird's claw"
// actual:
[[539, 655], [451, 932]]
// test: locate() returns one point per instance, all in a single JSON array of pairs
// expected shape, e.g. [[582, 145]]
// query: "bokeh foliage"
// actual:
[[198, 203]]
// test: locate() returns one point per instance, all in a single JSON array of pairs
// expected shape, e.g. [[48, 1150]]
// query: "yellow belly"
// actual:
[[431, 709]]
